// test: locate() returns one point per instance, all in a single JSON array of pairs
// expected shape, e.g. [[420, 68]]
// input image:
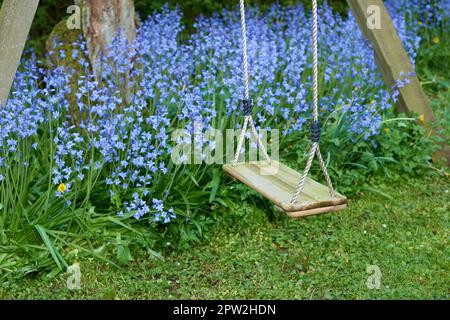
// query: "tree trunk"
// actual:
[[16, 17], [102, 21]]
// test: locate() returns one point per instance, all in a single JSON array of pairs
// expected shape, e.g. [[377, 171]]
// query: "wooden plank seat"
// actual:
[[277, 183]]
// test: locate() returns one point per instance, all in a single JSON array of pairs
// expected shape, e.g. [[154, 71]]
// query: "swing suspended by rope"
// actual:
[[292, 192]]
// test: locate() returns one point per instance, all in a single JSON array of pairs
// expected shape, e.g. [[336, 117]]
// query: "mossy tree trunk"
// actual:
[[102, 22]]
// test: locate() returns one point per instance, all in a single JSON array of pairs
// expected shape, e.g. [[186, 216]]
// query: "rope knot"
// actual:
[[247, 106], [315, 131]]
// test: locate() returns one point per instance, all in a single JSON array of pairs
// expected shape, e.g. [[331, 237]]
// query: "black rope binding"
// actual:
[[247, 107], [315, 131]]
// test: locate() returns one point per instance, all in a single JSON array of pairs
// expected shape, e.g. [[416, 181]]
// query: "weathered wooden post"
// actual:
[[393, 61], [16, 17]]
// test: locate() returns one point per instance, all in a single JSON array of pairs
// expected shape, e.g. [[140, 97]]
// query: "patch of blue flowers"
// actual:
[[158, 83]]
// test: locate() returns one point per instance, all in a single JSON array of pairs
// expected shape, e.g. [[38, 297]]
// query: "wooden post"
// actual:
[[393, 60], [16, 17]]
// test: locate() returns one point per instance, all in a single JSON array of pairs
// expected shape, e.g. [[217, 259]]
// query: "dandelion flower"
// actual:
[[62, 188], [436, 40], [422, 118]]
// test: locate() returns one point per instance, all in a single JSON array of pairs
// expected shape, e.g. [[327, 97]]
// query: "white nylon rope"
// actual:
[[244, 50], [248, 118], [315, 147]]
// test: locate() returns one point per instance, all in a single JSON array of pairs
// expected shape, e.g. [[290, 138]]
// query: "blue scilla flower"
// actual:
[[158, 205]]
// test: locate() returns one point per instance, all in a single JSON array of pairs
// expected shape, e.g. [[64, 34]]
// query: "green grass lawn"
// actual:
[[319, 257]]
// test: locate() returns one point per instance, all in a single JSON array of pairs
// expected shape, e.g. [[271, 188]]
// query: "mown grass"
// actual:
[[320, 257]]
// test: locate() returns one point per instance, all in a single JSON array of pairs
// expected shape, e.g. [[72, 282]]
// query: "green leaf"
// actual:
[[154, 254], [373, 165], [377, 191], [51, 248], [2, 230], [194, 180], [123, 254], [215, 183], [336, 142], [120, 223]]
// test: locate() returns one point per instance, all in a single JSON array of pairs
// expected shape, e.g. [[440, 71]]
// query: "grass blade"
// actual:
[[51, 248]]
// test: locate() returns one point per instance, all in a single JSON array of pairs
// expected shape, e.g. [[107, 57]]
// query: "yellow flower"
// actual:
[[62, 188], [436, 40], [387, 130], [422, 118]]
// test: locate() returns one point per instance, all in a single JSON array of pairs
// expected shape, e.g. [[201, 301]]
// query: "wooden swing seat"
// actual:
[[277, 183]]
